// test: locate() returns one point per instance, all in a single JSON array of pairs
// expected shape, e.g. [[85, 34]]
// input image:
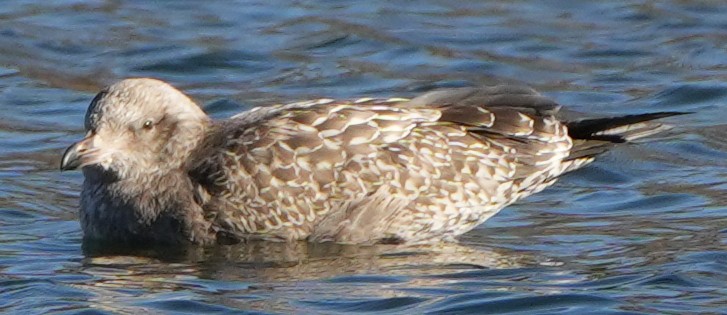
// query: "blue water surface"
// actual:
[[642, 230]]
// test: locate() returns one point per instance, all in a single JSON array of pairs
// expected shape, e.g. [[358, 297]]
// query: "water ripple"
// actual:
[[640, 231]]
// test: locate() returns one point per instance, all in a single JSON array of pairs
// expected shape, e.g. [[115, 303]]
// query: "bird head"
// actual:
[[135, 127]]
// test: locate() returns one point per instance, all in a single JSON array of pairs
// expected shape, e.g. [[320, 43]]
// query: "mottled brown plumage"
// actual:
[[361, 171]]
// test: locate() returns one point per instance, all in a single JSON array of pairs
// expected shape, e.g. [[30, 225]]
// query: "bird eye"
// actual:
[[148, 124]]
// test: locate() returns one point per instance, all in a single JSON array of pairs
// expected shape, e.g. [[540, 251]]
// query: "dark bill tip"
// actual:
[[71, 159]]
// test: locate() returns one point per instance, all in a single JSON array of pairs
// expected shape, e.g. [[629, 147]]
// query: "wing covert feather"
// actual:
[[303, 170]]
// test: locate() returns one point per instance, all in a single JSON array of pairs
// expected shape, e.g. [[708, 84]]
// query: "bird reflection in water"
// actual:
[[266, 276]]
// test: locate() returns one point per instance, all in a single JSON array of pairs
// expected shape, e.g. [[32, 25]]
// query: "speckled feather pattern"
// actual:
[[158, 170], [373, 170]]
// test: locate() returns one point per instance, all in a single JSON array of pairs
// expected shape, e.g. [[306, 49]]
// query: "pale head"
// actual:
[[135, 127]]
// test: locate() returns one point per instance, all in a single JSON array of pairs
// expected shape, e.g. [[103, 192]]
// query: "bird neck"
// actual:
[[155, 208]]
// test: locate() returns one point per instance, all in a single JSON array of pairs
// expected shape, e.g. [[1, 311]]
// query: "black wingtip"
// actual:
[[596, 129], [658, 115]]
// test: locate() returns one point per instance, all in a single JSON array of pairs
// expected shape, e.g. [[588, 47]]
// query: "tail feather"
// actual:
[[594, 136]]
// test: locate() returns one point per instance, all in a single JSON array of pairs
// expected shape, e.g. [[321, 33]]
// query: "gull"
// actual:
[[158, 170]]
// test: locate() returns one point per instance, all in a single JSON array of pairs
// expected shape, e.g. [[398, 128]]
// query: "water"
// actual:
[[643, 230]]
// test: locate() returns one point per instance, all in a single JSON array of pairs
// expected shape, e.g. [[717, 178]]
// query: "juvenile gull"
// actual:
[[159, 170]]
